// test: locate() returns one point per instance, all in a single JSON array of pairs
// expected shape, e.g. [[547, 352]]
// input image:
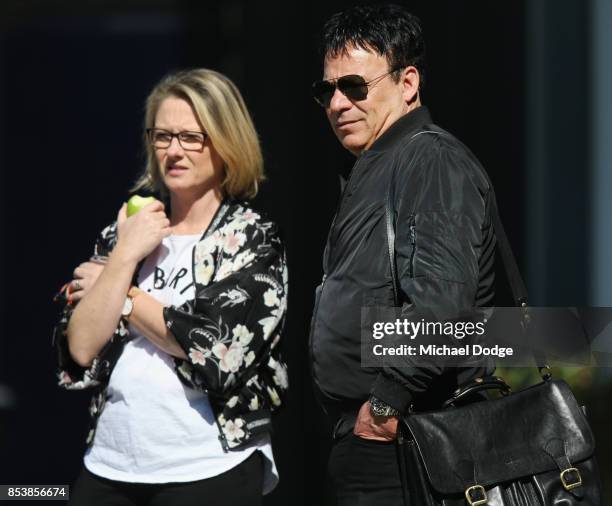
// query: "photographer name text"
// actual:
[[433, 350]]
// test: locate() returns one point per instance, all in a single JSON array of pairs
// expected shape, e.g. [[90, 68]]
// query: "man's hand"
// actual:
[[85, 275], [379, 428]]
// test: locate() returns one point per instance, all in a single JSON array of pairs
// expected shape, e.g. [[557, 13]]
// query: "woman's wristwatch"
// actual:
[[380, 408], [128, 305]]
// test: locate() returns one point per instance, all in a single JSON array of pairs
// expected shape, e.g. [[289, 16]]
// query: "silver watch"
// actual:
[[380, 408]]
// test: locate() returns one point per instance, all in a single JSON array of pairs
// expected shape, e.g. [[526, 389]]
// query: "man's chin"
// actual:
[[352, 142]]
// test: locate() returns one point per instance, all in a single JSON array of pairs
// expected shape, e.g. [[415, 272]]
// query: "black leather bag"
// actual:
[[529, 448]]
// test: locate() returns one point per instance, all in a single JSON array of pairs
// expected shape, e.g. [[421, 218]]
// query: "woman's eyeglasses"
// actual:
[[189, 141], [353, 86]]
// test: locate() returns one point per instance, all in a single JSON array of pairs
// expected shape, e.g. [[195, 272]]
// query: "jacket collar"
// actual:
[[220, 213], [405, 125]]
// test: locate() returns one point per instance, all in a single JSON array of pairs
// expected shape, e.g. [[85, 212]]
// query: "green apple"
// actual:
[[136, 203]]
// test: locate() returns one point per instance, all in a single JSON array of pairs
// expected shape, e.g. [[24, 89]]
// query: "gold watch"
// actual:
[[128, 305]]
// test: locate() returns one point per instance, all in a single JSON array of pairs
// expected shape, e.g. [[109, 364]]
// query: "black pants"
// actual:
[[365, 472], [241, 485]]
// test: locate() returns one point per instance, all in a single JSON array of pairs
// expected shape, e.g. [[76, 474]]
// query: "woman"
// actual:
[[177, 328]]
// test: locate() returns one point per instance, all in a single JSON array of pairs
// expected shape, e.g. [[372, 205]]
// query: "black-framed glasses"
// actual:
[[189, 141], [353, 86]]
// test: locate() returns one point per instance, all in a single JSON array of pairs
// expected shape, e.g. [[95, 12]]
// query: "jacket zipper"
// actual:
[[312, 326], [325, 256], [412, 225], [342, 199]]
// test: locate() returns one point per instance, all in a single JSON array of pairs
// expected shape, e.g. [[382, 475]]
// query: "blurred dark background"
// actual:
[[521, 82]]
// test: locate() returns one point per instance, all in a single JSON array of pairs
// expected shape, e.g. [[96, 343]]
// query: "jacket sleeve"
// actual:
[[441, 216], [72, 376], [238, 315]]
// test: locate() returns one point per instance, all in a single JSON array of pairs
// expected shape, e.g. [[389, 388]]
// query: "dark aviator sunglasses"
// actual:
[[353, 86]]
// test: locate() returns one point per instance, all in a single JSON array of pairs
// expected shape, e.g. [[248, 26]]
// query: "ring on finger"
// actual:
[[76, 284]]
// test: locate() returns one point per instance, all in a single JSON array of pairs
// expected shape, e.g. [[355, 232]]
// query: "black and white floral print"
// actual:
[[230, 332]]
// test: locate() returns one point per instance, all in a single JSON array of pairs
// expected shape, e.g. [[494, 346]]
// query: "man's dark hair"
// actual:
[[389, 30]]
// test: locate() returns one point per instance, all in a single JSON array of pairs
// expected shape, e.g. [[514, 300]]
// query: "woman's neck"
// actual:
[[191, 215]]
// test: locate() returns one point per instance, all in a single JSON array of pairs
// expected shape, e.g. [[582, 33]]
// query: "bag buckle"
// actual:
[[476, 495], [571, 478]]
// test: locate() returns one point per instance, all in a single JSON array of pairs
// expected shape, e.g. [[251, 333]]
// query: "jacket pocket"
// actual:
[[412, 239], [443, 245]]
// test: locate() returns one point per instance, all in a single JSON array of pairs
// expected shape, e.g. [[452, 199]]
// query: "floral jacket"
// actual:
[[230, 332]]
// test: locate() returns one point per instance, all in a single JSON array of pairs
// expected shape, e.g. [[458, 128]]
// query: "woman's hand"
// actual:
[[85, 275], [142, 232]]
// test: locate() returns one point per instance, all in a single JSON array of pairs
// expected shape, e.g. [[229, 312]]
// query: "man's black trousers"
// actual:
[[365, 472]]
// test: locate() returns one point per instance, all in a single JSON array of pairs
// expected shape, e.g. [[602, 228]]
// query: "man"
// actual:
[[444, 245]]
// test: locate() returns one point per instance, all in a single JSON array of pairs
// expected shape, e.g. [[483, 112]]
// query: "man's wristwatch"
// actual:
[[128, 305], [380, 408]]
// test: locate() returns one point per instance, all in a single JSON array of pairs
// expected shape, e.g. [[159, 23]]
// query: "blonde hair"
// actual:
[[220, 109]]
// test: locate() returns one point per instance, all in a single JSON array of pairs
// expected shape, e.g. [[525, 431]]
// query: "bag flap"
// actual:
[[502, 439]]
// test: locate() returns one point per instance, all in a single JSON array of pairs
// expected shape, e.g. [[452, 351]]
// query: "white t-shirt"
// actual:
[[155, 429]]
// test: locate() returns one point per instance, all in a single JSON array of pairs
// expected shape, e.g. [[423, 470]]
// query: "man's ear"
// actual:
[[410, 79]]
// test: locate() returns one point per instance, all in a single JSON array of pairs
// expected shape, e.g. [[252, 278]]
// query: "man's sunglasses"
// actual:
[[353, 86]]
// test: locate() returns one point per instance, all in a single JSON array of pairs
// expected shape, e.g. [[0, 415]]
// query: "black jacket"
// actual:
[[445, 249]]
